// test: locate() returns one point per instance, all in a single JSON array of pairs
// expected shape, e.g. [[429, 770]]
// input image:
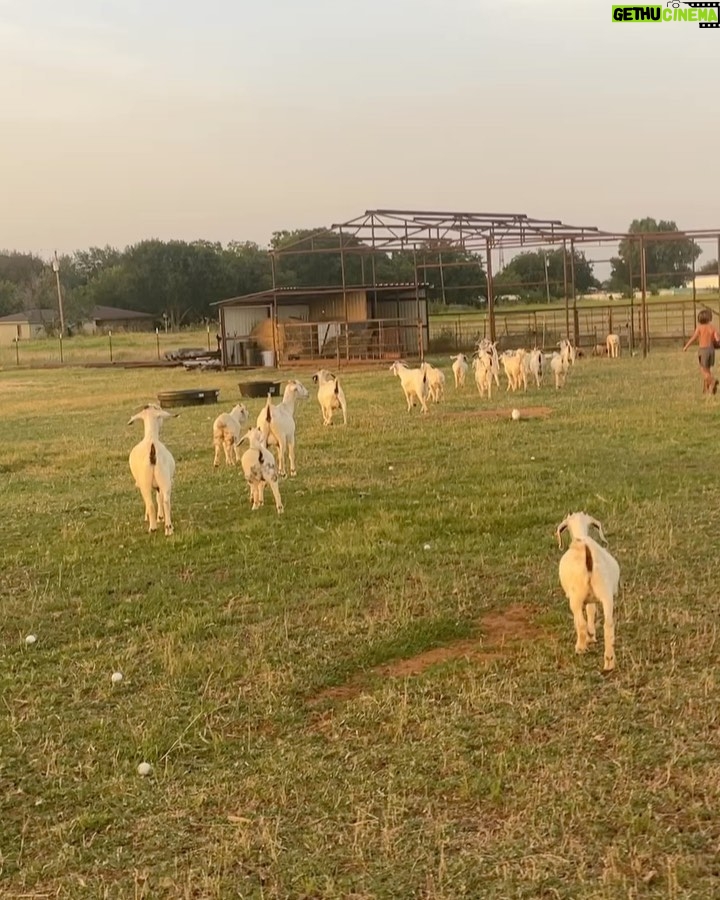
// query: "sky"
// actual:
[[228, 119]]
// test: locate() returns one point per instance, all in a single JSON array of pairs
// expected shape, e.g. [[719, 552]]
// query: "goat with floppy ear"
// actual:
[[589, 574]]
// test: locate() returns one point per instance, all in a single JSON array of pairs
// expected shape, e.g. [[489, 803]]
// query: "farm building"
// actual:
[[111, 318], [707, 282], [382, 321], [24, 326]]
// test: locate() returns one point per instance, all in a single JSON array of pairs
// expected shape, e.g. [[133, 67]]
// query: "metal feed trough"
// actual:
[[200, 397]]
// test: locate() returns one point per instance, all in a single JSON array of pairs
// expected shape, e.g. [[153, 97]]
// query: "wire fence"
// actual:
[[667, 322]]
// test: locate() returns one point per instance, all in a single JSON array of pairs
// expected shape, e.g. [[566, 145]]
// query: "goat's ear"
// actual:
[[600, 531], [137, 416], [561, 529]]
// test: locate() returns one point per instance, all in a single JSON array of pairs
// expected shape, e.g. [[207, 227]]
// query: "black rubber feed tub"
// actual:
[[188, 398], [259, 388]]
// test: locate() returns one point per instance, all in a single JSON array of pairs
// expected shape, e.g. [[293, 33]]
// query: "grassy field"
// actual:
[[331, 710]]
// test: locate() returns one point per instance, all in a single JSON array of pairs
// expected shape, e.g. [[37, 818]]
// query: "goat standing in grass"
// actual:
[[277, 424], [330, 395], [153, 467], [588, 571], [414, 384], [226, 433], [258, 465], [460, 368]]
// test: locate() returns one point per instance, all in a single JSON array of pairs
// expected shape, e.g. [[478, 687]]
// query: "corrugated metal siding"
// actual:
[[240, 320], [299, 311], [331, 308]]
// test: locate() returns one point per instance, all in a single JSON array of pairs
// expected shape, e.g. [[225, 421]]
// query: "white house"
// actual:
[[710, 281]]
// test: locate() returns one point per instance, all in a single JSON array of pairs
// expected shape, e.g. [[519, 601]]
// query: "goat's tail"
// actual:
[[153, 455], [337, 386], [268, 409]]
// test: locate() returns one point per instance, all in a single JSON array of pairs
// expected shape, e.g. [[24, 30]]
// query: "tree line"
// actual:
[[179, 280]]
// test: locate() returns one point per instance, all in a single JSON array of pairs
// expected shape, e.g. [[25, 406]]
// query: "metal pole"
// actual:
[[208, 337], [157, 339], [565, 289], [643, 288], [56, 269], [490, 294], [274, 328], [632, 298], [421, 343], [694, 291], [576, 325], [547, 279], [17, 352], [110, 339], [344, 292], [61, 348], [442, 279]]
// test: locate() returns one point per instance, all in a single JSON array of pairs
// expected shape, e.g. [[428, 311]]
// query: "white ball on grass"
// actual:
[[30, 639], [116, 677], [426, 547], [144, 768], [515, 414]]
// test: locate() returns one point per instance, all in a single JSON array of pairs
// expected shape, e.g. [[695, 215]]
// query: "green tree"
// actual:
[[525, 274], [709, 268], [667, 262]]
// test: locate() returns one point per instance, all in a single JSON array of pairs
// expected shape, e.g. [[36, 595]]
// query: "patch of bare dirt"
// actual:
[[500, 632], [527, 412]]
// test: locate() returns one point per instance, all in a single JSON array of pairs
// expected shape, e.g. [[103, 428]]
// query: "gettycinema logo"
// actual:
[[707, 15]]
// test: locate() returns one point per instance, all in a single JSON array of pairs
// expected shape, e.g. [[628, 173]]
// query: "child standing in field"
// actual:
[[708, 339]]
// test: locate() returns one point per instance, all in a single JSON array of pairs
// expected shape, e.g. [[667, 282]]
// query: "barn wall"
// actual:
[[331, 308], [240, 320]]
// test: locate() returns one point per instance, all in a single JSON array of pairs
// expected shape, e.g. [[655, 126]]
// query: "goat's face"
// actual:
[[322, 376], [255, 438], [239, 412], [152, 413], [296, 389], [578, 525]]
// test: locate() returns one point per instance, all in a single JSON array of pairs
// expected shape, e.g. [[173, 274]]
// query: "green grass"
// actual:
[[524, 774]]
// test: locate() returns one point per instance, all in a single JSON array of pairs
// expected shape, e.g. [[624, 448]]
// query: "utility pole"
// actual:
[[56, 270], [547, 279]]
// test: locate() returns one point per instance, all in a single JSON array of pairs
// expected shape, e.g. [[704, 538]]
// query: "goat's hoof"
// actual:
[[592, 639], [293, 474], [169, 530], [280, 509], [580, 650]]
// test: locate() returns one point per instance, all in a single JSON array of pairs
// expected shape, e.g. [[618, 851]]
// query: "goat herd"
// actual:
[[586, 569]]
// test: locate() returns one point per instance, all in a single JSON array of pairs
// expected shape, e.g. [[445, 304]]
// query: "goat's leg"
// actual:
[[576, 607], [590, 610], [164, 503], [216, 461], [276, 494], [150, 509], [291, 457], [228, 445], [608, 631]]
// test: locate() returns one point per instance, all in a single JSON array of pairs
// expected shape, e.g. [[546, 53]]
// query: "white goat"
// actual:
[[277, 424], [330, 395], [514, 365], [459, 368], [534, 365], [491, 349], [226, 433], [567, 352], [436, 382], [414, 384], [612, 342], [559, 368], [258, 465], [153, 466], [588, 571], [482, 365]]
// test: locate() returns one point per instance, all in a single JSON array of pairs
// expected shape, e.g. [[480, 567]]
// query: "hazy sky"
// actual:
[[128, 119]]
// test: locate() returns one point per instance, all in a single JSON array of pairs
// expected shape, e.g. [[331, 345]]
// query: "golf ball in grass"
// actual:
[[144, 768], [515, 415], [426, 547], [116, 677], [30, 639]]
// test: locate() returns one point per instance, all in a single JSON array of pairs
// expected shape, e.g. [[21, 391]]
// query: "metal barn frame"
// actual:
[[394, 230]]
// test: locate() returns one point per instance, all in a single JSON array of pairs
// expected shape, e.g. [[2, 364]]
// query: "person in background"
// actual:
[[708, 339]]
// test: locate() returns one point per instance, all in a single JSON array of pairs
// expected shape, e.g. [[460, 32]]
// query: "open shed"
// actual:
[[360, 322]]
